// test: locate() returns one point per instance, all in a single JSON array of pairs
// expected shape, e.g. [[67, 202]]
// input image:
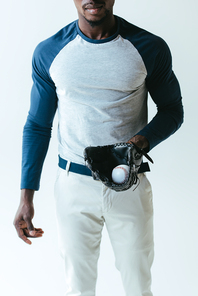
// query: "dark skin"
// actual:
[[24, 216], [96, 21]]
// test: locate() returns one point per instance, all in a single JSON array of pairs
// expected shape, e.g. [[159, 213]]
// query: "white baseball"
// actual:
[[120, 174]]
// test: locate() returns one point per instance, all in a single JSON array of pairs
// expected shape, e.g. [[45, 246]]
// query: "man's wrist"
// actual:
[[140, 141], [27, 195]]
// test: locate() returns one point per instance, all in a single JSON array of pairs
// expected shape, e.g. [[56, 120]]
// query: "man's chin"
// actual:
[[94, 22]]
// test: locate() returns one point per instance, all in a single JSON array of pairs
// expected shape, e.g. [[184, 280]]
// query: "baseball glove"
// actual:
[[101, 160]]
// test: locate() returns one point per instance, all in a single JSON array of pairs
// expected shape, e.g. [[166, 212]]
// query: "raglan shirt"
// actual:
[[100, 89]]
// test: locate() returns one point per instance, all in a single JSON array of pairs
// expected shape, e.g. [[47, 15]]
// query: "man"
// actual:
[[97, 72]]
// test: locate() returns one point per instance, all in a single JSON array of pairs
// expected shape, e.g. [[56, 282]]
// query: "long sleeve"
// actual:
[[165, 91], [37, 130]]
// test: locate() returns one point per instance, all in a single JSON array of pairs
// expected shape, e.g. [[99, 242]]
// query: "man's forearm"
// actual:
[[35, 145], [166, 122]]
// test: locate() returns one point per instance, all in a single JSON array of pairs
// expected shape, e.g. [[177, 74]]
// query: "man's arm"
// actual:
[[36, 137], [164, 89]]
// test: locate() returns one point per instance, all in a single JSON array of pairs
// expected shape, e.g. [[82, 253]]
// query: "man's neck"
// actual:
[[104, 30]]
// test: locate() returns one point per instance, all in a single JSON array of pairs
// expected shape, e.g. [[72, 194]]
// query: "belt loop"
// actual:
[[68, 167]]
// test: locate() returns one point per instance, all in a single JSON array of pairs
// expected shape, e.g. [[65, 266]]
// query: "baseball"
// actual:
[[120, 174]]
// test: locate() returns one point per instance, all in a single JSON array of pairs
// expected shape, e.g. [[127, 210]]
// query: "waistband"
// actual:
[[83, 170]]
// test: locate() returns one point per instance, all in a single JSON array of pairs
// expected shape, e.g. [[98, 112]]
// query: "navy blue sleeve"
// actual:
[[37, 130], [35, 145], [164, 89]]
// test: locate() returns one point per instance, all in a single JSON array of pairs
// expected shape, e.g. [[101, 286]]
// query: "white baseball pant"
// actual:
[[83, 205]]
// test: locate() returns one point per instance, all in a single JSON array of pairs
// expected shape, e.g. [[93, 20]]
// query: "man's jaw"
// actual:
[[95, 23], [95, 12]]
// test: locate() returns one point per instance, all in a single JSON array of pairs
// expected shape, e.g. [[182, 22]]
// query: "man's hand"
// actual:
[[140, 141], [24, 216]]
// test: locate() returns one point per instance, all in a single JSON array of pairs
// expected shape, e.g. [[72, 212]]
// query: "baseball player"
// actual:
[[97, 72]]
